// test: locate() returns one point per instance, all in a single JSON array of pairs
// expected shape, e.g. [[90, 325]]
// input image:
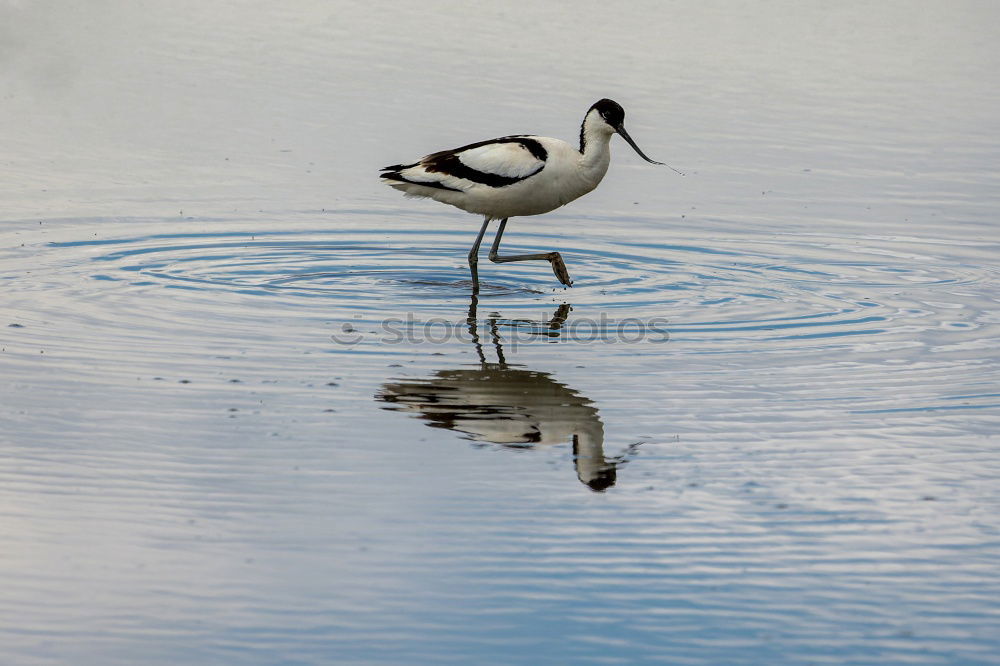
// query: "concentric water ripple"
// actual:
[[349, 283], [740, 289]]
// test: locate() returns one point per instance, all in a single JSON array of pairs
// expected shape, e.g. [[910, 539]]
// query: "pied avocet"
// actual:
[[517, 175]]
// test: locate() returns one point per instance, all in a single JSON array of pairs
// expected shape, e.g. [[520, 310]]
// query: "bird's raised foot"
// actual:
[[559, 268]]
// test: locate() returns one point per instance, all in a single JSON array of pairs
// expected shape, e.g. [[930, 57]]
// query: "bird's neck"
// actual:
[[595, 141]]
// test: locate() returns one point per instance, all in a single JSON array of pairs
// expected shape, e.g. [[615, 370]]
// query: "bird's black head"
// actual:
[[611, 111], [613, 114]]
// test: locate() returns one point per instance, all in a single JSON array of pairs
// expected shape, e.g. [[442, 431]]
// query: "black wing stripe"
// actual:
[[448, 163]]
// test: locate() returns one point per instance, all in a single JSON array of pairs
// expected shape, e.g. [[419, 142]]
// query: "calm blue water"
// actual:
[[250, 412]]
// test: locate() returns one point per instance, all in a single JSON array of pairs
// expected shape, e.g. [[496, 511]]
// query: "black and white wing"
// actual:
[[495, 163]]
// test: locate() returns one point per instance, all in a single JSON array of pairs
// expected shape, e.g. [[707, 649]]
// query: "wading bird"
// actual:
[[517, 175]]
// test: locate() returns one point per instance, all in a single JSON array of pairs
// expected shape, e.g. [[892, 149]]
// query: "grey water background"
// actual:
[[245, 418]]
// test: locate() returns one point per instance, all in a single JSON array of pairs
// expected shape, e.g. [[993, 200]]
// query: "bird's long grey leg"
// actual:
[[474, 256], [554, 258]]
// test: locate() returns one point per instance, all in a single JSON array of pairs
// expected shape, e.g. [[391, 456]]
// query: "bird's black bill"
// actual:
[[621, 130]]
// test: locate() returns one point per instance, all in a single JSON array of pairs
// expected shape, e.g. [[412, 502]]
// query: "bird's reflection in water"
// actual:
[[495, 402]]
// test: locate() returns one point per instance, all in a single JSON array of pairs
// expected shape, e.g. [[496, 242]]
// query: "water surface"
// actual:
[[251, 412]]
